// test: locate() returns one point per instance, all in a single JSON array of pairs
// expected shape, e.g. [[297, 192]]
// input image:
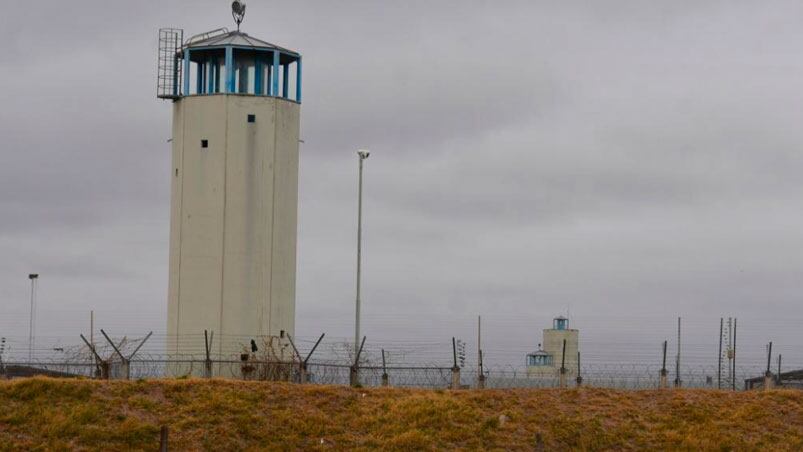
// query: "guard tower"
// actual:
[[234, 195], [546, 361]]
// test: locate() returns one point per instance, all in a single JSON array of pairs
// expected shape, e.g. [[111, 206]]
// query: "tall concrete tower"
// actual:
[[234, 196]]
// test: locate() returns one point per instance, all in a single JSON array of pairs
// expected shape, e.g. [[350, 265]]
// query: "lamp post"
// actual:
[[32, 325], [362, 155]]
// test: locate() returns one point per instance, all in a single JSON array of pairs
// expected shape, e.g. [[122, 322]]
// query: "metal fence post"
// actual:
[[733, 361], [664, 380], [719, 359], [481, 374], [304, 372], [455, 368], [208, 348], [385, 379], [678, 380], [768, 379], [354, 374], [579, 377], [301, 366], [102, 364]]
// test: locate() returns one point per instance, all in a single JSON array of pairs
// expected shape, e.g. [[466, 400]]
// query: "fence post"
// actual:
[[301, 366], [719, 359], [664, 383], [733, 361], [562, 381], [208, 348], [354, 374], [678, 381], [780, 383], [455, 368], [481, 375], [105, 370], [125, 362], [385, 380], [163, 439], [304, 373], [103, 364], [123, 366], [768, 380], [579, 377]]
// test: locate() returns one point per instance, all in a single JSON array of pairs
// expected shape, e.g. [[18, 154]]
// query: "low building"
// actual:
[[547, 360]]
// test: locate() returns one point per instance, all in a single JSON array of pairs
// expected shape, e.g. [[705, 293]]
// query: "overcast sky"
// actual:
[[626, 161]]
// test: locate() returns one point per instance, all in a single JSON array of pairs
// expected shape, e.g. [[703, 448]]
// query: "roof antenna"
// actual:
[[238, 12]]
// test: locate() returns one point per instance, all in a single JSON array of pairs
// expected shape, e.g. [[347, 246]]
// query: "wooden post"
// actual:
[[562, 381], [163, 439], [385, 379], [664, 383]]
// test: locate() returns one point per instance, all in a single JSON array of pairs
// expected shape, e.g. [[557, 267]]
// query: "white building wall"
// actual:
[[233, 220]]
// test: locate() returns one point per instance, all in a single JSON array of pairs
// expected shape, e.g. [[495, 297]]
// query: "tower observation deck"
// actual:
[[226, 62]]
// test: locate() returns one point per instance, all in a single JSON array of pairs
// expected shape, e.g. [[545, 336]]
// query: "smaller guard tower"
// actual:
[[546, 361]]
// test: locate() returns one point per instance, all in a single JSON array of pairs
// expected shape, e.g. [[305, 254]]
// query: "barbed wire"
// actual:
[[407, 362]]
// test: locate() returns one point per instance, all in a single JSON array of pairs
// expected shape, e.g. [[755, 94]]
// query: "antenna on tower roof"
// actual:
[[238, 12]]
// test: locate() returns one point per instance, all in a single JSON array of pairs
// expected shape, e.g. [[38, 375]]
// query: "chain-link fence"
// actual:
[[308, 360], [624, 376]]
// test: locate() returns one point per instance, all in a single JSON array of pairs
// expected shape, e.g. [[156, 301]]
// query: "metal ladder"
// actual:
[[169, 70]]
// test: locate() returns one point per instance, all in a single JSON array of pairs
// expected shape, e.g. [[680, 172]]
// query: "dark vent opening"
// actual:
[[204, 144], [252, 118]]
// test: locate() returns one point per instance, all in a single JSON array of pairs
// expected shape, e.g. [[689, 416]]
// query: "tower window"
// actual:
[[204, 144], [252, 118]]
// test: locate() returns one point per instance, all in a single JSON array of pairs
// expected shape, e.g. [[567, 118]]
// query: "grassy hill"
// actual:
[[232, 415]]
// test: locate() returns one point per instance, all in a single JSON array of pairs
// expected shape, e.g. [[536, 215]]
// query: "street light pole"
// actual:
[[32, 325], [362, 155]]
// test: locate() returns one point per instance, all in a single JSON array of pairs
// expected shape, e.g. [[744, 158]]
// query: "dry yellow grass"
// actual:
[[47, 414]]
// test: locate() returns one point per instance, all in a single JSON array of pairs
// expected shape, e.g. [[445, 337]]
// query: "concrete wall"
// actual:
[[233, 220]]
